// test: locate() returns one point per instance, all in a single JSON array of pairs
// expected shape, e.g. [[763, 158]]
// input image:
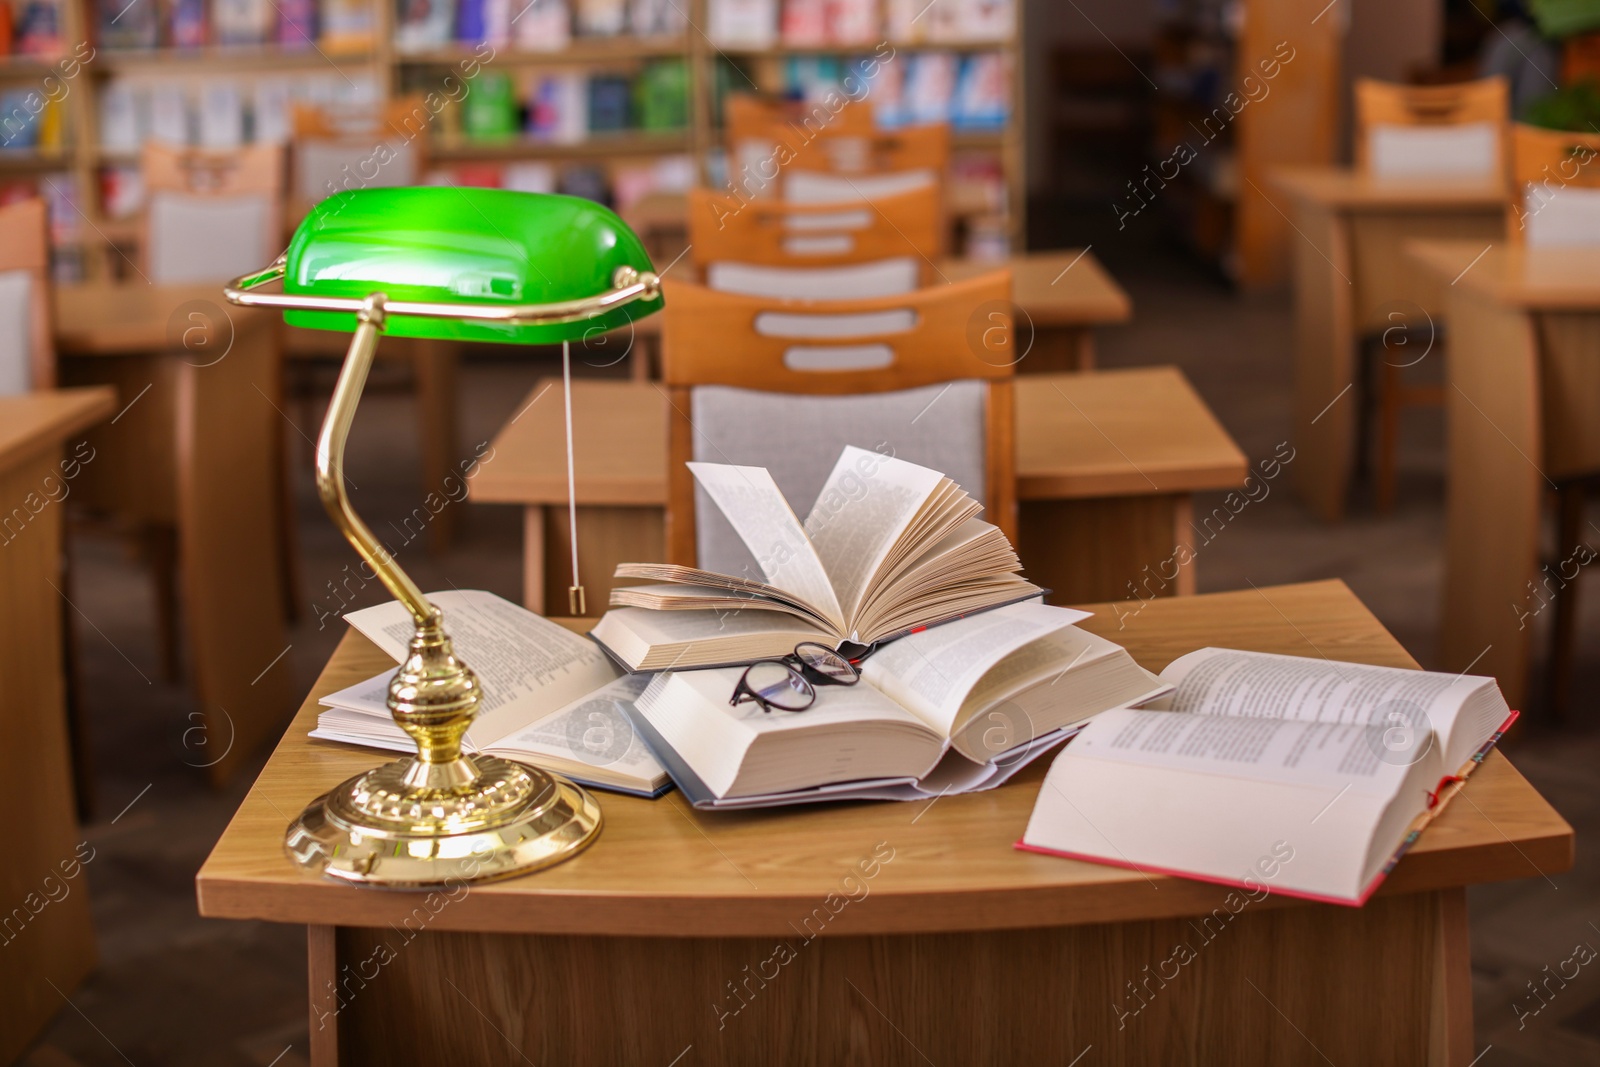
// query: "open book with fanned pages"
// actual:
[[1291, 775], [889, 548]]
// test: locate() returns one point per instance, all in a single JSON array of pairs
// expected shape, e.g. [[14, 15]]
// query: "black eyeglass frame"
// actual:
[[808, 676]]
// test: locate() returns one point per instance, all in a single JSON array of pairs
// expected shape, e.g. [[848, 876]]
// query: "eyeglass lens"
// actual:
[[775, 684], [827, 662]]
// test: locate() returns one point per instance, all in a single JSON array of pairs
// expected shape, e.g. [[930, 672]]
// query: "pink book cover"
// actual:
[[1441, 795]]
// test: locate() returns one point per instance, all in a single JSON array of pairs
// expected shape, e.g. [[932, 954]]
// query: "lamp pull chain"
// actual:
[[575, 598]]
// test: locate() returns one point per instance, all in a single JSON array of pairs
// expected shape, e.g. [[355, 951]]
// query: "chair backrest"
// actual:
[[210, 216], [787, 384], [334, 150], [727, 234], [27, 353], [1554, 198], [1431, 130], [771, 143]]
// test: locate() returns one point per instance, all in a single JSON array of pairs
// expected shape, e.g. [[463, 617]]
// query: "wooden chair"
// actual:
[[1555, 201], [27, 354], [746, 116], [787, 384], [1554, 197], [836, 156], [334, 150], [1433, 130], [769, 248], [210, 216], [1422, 131], [28, 363]]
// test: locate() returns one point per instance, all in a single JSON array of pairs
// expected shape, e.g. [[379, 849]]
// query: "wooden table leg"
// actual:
[[435, 364], [1256, 985], [1494, 494], [228, 496], [1114, 548], [322, 974], [533, 558], [1058, 349], [607, 536], [1325, 407], [1450, 1026]]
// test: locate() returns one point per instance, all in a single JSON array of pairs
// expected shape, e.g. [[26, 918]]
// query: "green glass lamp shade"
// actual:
[[453, 245]]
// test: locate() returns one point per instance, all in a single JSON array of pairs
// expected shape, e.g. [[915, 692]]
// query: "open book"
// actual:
[[951, 709], [1321, 773], [888, 547], [550, 696]]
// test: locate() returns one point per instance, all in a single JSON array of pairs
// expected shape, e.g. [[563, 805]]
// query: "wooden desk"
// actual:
[[197, 447], [963, 950], [1106, 466], [1524, 414], [1350, 276], [54, 941], [1064, 294]]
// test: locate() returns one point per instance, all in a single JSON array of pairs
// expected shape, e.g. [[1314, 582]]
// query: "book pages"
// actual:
[[758, 512], [864, 509], [515, 653]]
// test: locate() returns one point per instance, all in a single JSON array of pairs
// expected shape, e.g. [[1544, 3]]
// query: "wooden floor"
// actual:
[[175, 990]]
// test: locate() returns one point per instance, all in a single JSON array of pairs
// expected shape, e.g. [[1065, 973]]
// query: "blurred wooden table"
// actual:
[[1524, 417], [1061, 297], [1351, 279], [957, 948], [45, 934], [197, 448], [1107, 464]]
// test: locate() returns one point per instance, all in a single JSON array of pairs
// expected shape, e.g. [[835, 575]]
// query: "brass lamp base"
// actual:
[[377, 830]]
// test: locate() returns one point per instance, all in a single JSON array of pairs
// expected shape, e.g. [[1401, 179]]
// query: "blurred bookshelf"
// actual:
[[614, 99]]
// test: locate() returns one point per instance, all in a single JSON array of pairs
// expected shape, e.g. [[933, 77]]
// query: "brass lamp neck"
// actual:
[[330, 462]]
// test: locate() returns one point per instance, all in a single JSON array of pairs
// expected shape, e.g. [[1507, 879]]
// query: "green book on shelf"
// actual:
[[661, 95], [489, 112]]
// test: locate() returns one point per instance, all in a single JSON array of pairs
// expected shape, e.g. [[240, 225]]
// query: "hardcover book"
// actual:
[[1332, 768]]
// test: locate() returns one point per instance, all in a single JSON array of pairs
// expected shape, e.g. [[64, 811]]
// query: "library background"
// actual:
[[799, 531]]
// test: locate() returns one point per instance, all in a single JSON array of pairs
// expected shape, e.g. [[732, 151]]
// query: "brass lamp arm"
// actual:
[[627, 283], [330, 462]]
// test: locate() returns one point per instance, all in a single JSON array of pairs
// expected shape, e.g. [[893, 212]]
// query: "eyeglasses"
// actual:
[[789, 684]]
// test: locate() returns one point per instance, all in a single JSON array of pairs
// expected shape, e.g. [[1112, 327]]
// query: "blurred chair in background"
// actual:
[[786, 385], [210, 216], [1424, 132], [334, 150], [28, 363], [27, 356], [816, 252]]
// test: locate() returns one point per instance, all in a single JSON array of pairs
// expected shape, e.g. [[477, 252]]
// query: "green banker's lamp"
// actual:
[[462, 265]]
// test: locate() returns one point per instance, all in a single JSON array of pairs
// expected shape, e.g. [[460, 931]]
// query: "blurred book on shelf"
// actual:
[[601, 18], [542, 26], [742, 23], [243, 22], [36, 28], [421, 25]]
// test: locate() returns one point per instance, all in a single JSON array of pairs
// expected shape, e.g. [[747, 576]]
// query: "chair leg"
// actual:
[[435, 368], [159, 543], [1570, 501], [1388, 434]]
